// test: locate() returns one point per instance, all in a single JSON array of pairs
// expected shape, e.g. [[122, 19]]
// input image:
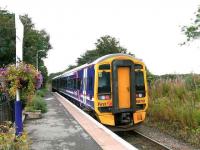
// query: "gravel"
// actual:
[[165, 139]]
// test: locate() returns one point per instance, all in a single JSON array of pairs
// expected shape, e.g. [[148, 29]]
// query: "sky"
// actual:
[[150, 29]]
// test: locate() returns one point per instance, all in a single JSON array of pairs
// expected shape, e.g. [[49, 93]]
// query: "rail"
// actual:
[[152, 140]]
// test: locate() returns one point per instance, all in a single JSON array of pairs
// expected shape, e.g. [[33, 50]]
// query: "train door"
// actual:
[[85, 85], [123, 84], [124, 87]]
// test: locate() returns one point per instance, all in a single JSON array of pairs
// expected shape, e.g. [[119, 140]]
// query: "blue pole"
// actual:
[[18, 118], [19, 57]]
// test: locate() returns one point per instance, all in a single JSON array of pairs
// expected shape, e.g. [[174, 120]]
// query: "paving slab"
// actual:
[[58, 130]]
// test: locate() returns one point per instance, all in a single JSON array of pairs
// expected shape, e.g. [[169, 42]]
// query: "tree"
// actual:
[[104, 45], [193, 31], [109, 45], [34, 41], [87, 57], [7, 38]]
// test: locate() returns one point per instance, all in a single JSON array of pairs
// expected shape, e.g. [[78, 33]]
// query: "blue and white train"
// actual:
[[113, 87]]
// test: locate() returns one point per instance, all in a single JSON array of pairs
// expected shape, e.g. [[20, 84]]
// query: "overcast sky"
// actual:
[[149, 29]]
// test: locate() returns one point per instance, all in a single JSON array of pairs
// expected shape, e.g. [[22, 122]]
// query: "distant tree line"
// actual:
[[104, 45], [34, 41]]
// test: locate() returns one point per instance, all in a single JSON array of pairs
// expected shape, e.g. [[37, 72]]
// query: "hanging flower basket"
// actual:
[[23, 83], [24, 77]]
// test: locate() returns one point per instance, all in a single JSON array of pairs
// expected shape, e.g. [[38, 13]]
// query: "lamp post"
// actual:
[[37, 59]]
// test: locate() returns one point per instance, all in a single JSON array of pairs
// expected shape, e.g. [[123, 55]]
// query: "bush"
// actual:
[[41, 92], [38, 103]]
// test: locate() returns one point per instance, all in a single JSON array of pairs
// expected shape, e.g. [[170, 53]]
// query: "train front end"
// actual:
[[120, 95]]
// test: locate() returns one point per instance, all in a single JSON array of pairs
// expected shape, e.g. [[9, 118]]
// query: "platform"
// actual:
[[65, 126]]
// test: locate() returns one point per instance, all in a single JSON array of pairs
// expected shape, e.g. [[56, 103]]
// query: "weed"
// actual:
[[176, 102]]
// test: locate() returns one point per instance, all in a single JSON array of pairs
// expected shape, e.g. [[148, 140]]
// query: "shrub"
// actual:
[[40, 104], [41, 92]]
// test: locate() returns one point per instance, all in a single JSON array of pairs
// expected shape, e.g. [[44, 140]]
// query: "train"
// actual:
[[113, 88]]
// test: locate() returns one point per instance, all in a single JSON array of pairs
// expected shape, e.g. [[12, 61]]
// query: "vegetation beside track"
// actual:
[[38, 102], [174, 106]]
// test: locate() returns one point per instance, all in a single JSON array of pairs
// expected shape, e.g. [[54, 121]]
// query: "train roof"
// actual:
[[94, 62], [112, 55]]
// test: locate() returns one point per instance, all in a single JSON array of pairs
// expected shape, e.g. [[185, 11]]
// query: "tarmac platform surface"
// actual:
[[65, 127], [58, 130]]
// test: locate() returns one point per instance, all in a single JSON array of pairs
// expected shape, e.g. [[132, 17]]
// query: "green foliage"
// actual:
[[7, 38], [30, 109], [193, 31], [175, 103], [22, 77], [41, 92], [38, 103], [8, 140], [104, 45], [34, 40]]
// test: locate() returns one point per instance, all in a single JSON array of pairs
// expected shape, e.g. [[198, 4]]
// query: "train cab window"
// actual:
[[104, 82], [140, 87], [104, 67], [138, 66]]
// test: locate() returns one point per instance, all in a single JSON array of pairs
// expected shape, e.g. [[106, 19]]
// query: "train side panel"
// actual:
[[78, 85]]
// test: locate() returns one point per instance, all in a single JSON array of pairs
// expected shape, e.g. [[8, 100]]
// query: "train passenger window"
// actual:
[[78, 84], [74, 84], [104, 82], [104, 67], [65, 82], [90, 83]]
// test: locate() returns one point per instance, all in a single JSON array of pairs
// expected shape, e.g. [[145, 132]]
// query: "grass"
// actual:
[[174, 107]]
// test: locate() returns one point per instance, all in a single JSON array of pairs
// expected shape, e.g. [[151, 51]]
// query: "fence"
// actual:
[[5, 108]]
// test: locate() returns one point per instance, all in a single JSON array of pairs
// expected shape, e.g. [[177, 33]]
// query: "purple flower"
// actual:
[[2, 71], [39, 80]]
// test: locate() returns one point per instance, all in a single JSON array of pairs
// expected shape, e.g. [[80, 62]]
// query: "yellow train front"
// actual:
[[113, 87], [120, 90]]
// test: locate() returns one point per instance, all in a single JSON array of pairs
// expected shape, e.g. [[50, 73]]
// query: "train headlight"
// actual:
[[139, 95], [104, 97]]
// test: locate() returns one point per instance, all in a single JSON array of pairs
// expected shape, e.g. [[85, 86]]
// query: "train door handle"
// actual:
[[128, 89]]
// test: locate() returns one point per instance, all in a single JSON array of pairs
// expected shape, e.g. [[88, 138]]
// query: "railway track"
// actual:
[[141, 141]]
